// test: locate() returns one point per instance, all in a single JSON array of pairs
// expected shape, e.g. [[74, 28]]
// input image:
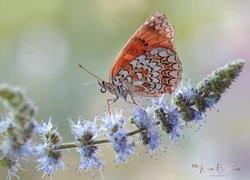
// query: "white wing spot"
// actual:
[[173, 73], [157, 68], [124, 73], [154, 51], [152, 64], [146, 61], [171, 58], [137, 83], [163, 54], [155, 80], [158, 26], [129, 78], [139, 75], [158, 86], [133, 63], [141, 58], [176, 66], [155, 74]]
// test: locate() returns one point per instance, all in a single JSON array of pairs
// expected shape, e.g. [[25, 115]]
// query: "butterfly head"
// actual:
[[107, 86], [103, 85]]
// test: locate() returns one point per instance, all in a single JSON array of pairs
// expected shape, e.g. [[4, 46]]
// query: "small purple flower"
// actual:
[[11, 149], [113, 120], [172, 114], [197, 116], [187, 92], [45, 128], [186, 96], [170, 123], [209, 102], [16, 150], [151, 139], [49, 159], [13, 167], [114, 127], [12, 152], [5, 123], [191, 114], [89, 158], [85, 132], [176, 130], [142, 119], [85, 129], [121, 145]]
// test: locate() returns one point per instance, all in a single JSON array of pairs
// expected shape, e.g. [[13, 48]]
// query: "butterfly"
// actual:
[[148, 64]]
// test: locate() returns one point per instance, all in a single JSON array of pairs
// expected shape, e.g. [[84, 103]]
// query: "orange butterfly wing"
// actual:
[[156, 31]]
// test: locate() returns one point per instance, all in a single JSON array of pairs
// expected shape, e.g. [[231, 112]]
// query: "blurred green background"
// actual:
[[42, 42]]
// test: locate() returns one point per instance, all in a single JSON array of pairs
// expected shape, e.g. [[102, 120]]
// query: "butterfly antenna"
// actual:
[[88, 83], [89, 72]]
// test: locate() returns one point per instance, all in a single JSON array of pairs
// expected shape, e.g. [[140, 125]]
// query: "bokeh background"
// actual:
[[42, 42]]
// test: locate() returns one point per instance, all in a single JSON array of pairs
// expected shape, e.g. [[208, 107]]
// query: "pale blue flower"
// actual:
[[142, 118], [114, 127], [176, 131], [187, 93], [85, 132], [83, 128], [49, 161], [13, 167], [197, 116], [144, 121], [5, 123], [13, 152], [151, 139], [45, 128], [171, 124], [123, 147], [89, 158], [209, 102], [16, 150]]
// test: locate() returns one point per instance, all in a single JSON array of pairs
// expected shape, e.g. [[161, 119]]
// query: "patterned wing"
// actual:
[[154, 32], [151, 74]]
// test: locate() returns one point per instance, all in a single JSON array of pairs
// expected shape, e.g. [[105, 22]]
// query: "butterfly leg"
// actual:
[[133, 101], [132, 98], [128, 92], [109, 103]]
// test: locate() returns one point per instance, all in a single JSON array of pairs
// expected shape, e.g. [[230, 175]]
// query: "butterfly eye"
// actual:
[[103, 90], [103, 86]]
